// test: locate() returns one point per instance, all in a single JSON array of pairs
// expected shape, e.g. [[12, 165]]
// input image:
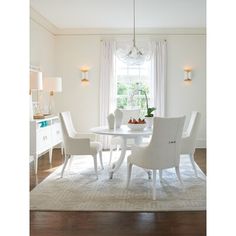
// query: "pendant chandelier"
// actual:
[[134, 56]]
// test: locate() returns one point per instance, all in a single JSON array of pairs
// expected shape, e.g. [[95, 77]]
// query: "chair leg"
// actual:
[[154, 185], [95, 165], [70, 162], [100, 156], [62, 149], [178, 174], [50, 155], [64, 166], [111, 150], [160, 175], [129, 170], [36, 164], [117, 148], [193, 164]]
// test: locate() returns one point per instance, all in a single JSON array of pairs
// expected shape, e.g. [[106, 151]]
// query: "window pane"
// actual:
[[130, 80]]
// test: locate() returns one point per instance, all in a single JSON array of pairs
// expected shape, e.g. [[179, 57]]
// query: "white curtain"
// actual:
[[107, 84], [159, 66]]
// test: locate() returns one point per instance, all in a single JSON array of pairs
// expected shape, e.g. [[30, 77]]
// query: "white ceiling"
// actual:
[[118, 13]]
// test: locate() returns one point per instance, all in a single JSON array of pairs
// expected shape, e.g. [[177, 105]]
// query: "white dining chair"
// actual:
[[115, 142], [76, 143], [189, 138], [162, 152]]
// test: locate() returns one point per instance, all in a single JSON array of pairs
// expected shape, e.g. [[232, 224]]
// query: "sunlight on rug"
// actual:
[[80, 191]]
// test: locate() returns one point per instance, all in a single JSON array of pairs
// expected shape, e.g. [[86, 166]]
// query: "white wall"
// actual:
[[42, 48], [83, 102]]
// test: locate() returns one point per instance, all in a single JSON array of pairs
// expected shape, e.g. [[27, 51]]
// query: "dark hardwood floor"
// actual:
[[46, 223]]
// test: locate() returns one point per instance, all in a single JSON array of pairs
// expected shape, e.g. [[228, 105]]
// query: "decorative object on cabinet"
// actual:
[[111, 121], [118, 118], [52, 85], [36, 83], [44, 135], [84, 75]]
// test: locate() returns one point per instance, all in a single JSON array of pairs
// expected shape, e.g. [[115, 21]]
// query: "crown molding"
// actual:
[[46, 24], [42, 21], [139, 31]]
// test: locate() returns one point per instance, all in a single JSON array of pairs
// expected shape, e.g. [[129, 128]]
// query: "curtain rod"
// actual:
[[101, 40]]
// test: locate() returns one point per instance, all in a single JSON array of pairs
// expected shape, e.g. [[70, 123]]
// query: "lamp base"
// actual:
[[47, 114], [38, 116]]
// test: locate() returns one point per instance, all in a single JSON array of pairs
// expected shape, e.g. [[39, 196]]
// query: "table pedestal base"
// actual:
[[116, 165]]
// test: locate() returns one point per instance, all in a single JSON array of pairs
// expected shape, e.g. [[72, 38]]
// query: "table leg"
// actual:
[[116, 165]]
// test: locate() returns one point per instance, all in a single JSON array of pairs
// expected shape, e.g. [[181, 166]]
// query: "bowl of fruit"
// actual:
[[137, 124]]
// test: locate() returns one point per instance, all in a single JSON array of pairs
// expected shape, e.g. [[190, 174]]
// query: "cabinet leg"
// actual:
[[50, 155], [36, 164], [62, 149]]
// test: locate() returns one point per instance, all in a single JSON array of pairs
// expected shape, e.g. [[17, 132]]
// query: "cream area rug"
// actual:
[[79, 190]]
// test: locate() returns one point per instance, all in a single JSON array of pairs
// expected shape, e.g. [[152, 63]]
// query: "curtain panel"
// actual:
[[159, 67], [107, 84]]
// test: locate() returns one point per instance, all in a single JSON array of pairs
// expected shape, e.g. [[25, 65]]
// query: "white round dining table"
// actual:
[[125, 133]]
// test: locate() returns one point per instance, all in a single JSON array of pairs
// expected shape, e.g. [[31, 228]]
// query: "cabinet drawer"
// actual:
[[43, 139], [56, 133]]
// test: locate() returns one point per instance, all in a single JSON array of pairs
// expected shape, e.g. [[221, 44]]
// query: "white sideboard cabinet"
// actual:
[[45, 134]]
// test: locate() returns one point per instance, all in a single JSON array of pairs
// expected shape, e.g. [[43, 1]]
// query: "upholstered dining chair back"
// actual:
[[66, 117], [68, 131], [190, 135], [165, 144]]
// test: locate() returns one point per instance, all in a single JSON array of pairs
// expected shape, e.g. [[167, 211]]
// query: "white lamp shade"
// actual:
[[36, 80], [52, 84]]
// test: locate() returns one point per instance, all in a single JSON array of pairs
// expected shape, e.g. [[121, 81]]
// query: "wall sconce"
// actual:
[[188, 74], [84, 75]]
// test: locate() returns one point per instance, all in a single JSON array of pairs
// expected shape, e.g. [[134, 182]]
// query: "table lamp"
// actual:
[[52, 85], [36, 83]]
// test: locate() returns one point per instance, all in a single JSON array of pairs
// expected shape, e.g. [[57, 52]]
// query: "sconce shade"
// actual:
[[52, 84], [187, 74], [36, 80], [84, 82], [84, 75]]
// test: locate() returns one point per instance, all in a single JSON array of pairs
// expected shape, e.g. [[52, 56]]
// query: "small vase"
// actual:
[[149, 121], [111, 121], [118, 117]]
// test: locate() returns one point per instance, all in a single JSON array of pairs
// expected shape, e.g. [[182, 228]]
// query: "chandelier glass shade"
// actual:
[[134, 55]]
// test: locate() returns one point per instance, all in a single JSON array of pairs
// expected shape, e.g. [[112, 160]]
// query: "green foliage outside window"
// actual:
[[128, 96]]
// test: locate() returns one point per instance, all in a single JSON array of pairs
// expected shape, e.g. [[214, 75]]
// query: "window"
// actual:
[[131, 79]]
